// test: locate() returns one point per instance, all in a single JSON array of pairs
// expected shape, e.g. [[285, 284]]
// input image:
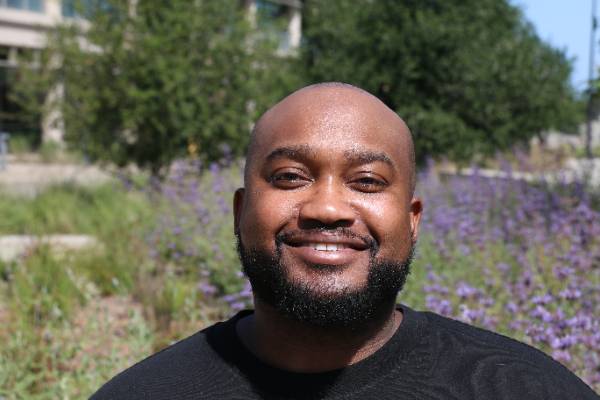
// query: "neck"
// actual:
[[291, 345]]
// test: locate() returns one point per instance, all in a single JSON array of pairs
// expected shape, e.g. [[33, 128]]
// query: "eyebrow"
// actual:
[[367, 157], [304, 152], [298, 153]]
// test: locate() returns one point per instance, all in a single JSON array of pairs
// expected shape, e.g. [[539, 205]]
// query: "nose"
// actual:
[[326, 206]]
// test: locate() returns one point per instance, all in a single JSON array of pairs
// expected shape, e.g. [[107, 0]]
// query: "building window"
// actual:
[[271, 15], [4, 54], [69, 9], [272, 19], [30, 5], [84, 8], [13, 118]]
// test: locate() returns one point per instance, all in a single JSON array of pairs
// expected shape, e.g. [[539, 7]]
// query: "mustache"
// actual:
[[282, 237]]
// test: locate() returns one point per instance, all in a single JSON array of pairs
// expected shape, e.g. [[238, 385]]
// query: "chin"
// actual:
[[325, 280], [324, 297]]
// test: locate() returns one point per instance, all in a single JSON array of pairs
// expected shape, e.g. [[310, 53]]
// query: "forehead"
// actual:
[[332, 123]]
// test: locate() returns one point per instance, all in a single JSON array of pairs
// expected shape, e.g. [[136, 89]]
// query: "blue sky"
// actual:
[[566, 25]]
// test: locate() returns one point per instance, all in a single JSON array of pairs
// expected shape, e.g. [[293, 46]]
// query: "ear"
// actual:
[[416, 210], [238, 205]]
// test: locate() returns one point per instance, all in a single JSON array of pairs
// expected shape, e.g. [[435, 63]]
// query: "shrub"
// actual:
[[522, 259], [42, 288], [194, 232]]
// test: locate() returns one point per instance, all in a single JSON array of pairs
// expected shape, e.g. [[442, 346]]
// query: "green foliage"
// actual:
[[50, 151], [168, 301], [110, 268], [470, 77], [580, 153], [69, 209], [20, 144], [116, 218], [149, 85], [57, 343], [41, 288], [152, 84], [66, 360]]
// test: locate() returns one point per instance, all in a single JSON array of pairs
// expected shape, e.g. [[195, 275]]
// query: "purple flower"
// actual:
[[238, 305], [465, 291], [207, 289], [501, 253]]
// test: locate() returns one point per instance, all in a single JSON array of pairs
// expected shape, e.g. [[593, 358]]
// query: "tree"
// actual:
[[469, 76], [148, 84]]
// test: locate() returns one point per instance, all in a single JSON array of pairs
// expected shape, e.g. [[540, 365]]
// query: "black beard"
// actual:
[[351, 308]]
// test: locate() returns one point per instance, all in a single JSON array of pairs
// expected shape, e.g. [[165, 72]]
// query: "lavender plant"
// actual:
[[519, 258], [194, 235]]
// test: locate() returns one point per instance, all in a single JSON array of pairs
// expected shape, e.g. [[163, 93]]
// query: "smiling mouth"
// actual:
[[328, 246], [325, 248], [325, 242]]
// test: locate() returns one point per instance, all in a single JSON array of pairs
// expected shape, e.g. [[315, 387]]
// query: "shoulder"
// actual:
[[494, 363], [471, 336], [182, 367]]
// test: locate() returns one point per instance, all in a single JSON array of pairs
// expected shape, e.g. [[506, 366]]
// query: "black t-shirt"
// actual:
[[429, 357]]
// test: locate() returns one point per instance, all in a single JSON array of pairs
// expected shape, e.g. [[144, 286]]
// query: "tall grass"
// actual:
[[70, 209], [52, 337]]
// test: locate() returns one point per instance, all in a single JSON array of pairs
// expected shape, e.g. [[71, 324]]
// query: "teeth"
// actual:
[[327, 246]]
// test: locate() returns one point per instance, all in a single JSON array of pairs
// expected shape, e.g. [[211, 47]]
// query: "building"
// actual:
[[282, 18], [23, 27], [24, 24]]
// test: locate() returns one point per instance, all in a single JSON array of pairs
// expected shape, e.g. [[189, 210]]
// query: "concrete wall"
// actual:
[[24, 28], [557, 140]]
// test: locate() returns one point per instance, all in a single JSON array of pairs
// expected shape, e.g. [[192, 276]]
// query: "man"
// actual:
[[326, 226]]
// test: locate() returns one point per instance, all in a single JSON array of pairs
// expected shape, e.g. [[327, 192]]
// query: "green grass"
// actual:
[[56, 343], [46, 285], [43, 288], [47, 298], [115, 217], [71, 359], [21, 144], [580, 153], [68, 209]]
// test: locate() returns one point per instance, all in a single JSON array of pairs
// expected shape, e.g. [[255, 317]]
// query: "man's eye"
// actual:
[[368, 184], [288, 180]]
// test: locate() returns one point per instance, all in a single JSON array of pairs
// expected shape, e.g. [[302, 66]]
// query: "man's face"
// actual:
[[328, 203]]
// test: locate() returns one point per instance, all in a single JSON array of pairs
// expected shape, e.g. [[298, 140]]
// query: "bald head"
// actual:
[[325, 110]]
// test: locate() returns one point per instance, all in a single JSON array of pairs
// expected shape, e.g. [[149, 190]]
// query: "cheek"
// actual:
[[390, 225], [264, 217]]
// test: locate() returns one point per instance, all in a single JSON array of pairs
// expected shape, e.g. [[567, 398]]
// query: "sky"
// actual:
[[566, 24]]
